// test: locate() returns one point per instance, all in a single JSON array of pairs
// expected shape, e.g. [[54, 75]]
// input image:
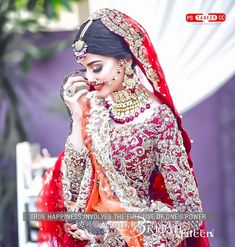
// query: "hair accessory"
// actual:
[[79, 46]]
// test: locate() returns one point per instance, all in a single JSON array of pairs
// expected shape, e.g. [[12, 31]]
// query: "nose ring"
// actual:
[[97, 82]]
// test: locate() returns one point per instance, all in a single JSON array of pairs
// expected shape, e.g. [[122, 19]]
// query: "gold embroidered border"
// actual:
[[116, 22]]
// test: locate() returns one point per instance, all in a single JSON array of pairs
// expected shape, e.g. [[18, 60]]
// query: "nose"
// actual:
[[90, 77]]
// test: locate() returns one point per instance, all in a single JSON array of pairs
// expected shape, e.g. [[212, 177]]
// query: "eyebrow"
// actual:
[[92, 62]]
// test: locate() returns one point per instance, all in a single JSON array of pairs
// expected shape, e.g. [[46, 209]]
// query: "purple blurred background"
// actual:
[[211, 125]]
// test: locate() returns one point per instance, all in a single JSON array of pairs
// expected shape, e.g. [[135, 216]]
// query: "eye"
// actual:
[[82, 70], [97, 70]]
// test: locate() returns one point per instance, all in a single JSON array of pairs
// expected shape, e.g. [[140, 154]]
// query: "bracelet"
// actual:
[[70, 146], [93, 227], [75, 160]]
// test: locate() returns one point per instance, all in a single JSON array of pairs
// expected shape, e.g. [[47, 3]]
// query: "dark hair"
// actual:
[[101, 41]]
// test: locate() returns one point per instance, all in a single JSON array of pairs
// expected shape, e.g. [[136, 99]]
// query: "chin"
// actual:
[[102, 93]]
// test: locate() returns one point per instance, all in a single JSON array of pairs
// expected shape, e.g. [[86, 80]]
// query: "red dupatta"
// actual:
[[145, 56]]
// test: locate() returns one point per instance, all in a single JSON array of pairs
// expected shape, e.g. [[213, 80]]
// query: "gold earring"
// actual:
[[130, 80]]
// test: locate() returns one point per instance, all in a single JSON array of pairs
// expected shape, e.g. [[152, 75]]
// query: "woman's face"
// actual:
[[103, 69]]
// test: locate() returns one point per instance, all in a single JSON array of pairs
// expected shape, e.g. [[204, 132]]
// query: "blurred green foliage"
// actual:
[[17, 20]]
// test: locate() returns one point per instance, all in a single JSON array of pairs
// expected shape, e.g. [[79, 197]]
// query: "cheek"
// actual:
[[118, 82], [115, 84], [107, 72]]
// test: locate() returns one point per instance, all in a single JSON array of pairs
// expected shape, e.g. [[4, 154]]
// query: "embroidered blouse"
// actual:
[[137, 151]]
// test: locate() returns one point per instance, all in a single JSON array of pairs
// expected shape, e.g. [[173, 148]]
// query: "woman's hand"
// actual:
[[79, 234], [73, 90]]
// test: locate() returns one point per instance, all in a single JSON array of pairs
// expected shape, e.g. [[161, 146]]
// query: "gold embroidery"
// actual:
[[76, 170], [133, 147], [113, 238], [99, 131], [116, 23], [129, 154]]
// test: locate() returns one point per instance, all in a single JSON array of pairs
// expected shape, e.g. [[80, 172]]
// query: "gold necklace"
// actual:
[[125, 105]]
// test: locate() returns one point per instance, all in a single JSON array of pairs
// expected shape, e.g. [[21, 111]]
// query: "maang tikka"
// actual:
[[79, 46]]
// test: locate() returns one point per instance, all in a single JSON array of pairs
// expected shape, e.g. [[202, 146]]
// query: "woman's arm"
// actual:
[[76, 163], [172, 163]]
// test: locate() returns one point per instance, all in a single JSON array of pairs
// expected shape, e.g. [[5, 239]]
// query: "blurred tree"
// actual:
[[18, 19]]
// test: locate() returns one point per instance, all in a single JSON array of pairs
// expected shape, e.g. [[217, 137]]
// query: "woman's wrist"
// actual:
[[75, 137], [76, 119], [70, 146]]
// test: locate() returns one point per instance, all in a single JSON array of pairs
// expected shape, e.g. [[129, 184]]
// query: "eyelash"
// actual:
[[94, 70], [97, 70]]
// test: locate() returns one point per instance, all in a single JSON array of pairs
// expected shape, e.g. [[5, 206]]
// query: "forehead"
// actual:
[[93, 58]]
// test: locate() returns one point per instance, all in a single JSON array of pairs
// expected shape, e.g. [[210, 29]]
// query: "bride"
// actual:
[[127, 150]]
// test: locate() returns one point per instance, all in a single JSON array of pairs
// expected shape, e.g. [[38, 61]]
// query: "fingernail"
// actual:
[[73, 227]]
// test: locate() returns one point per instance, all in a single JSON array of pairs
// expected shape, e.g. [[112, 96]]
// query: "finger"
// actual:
[[82, 234], [75, 95], [66, 226], [79, 86], [76, 73], [75, 235], [79, 83], [74, 227], [74, 79], [79, 94], [70, 90], [74, 88]]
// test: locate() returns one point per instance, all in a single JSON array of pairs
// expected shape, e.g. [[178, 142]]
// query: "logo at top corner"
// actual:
[[205, 18]]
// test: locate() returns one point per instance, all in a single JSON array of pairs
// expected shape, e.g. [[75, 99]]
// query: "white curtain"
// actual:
[[197, 59]]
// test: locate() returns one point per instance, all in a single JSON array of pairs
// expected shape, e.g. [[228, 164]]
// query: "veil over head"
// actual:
[[144, 54], [146, 58]]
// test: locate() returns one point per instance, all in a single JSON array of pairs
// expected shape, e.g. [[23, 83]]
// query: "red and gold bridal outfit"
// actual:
[[133, 168]]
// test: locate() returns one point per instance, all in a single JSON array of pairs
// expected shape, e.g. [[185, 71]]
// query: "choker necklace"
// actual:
[[125, 105]]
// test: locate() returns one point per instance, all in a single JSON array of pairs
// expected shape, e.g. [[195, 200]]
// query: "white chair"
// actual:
[[31, 164]]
